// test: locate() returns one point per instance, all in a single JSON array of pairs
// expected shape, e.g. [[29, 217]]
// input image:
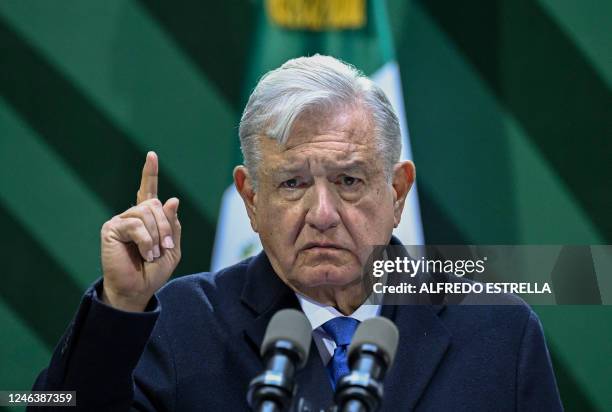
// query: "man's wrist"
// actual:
[[126, 304]]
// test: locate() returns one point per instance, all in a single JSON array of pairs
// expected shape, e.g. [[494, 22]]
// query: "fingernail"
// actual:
[[168, 242], [150, 256], [156, 251]]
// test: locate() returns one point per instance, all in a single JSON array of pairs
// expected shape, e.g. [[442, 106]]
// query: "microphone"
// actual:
[[371, 354], [284, 350]]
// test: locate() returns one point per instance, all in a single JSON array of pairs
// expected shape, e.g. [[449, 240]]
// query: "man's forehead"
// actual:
[[351, 124], [310, 157], [331, 151]]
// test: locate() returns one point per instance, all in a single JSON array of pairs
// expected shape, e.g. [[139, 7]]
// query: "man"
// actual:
[[322, 183]]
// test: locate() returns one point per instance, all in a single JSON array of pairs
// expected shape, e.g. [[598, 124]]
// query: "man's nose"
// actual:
[[322, 208]]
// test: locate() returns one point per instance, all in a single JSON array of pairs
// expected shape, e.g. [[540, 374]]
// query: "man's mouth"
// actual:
[[321, 246]]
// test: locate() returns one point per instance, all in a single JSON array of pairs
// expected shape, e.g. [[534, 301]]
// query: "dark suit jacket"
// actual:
[[196, 348]]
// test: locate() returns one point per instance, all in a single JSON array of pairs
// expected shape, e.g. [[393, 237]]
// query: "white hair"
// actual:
[[316, 82]]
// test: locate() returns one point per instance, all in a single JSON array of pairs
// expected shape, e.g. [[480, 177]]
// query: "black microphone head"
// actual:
[[377, 331], [293, 326]]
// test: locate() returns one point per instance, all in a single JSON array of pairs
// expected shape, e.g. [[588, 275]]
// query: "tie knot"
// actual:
[[341, 329]]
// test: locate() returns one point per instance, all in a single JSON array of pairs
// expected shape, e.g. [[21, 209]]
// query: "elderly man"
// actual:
[[322, 184]]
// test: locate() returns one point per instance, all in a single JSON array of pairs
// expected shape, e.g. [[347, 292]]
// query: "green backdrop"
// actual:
[[509, 106]]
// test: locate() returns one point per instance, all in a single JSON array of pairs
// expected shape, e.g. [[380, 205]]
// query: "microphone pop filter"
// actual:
[[378, 331], [290, 325]]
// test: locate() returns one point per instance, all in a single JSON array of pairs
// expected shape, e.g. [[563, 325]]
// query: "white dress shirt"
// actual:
[[318, 314]]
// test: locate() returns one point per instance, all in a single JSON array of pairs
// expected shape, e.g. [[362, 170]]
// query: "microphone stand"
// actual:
[[362, 389]]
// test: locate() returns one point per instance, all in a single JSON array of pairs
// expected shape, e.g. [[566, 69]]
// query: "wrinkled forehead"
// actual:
[[353, 124]]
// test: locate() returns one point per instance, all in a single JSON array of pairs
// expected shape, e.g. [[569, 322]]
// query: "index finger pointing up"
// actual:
[[148, 182]]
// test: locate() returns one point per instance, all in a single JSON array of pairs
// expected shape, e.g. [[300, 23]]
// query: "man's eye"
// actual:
[[290, 184], [349, 180]]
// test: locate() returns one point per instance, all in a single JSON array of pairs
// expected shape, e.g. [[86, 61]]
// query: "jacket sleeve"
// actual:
[[536, 384], [98, 354]]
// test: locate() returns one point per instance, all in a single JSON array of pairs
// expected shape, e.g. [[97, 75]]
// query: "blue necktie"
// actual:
[[341, 330]]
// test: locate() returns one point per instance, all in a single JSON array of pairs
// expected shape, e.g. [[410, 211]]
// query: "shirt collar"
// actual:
[[318, 313]]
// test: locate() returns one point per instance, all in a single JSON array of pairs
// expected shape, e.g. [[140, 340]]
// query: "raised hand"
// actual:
[[141, 246]]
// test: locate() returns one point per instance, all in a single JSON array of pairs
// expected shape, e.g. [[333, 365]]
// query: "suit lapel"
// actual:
[[422, 344], [313, 382], [264, 293]]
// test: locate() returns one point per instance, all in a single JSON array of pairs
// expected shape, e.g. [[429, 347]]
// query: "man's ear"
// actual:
[[244, 185], [404, 174]]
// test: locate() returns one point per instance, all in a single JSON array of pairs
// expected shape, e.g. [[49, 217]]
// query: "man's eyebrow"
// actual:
[[353, 165], [350, 165]]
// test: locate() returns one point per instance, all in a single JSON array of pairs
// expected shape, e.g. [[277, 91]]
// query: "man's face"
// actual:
[[323, 199]]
